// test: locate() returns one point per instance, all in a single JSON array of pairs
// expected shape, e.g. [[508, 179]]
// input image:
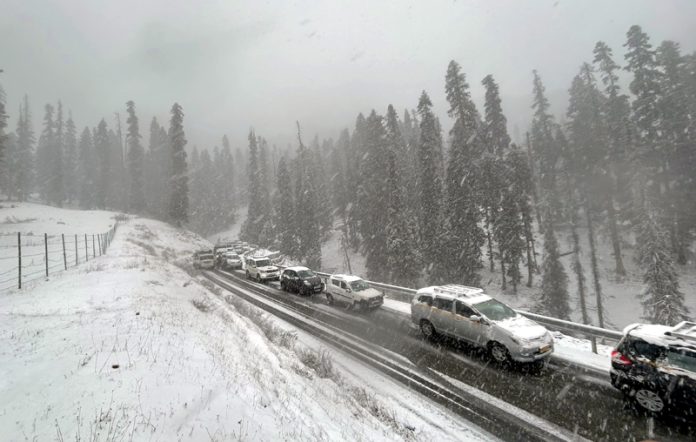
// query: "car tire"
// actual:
[[499, 353], [329, 299], [282, 286], [428, 329], [247, 275], [649, 401]]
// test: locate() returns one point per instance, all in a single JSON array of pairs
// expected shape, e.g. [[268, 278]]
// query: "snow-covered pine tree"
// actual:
[[617, 114], [463, 185], [103, 163], [3, 139], [647, 115], [252, 225], [24, 174], [156, 173], [403, 262], [136, 158], [87, 170], [44, 152], [178, 181], [554, 283], [493, 174], [285, 210], [227, 183], [305, 213], [521, 186], [338, 160], [663, 303], [354, 213], [373, 197], [544, 153], [71, 160], [679, 150], [430, 217], [56, 172]]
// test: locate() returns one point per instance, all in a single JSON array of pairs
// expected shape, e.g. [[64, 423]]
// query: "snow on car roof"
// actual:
[[296, 268], [347, 278], [455, 291], [658, 335]]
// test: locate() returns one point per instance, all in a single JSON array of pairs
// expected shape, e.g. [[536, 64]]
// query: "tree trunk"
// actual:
[[535, 197], [502, 268], [615, 239], [490, 240], [593, 260], [577, 267], [530, 251]]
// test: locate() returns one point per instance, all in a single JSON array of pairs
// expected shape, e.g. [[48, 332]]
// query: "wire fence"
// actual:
[[26, 257]]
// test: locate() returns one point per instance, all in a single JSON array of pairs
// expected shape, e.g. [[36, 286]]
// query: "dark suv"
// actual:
[[655, 366], [301, 280]]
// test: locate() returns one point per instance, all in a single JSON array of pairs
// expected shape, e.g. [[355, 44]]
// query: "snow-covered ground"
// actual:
[[131, 346]]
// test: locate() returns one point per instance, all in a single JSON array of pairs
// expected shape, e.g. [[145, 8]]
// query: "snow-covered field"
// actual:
[[131, 346]]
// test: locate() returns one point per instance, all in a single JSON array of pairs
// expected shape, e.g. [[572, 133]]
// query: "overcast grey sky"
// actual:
[[237, 64]]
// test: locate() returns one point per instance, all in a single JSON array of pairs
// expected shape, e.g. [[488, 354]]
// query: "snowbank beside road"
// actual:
[[129, 345]]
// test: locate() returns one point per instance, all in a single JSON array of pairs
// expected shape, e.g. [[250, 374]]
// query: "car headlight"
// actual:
[[305, 282]]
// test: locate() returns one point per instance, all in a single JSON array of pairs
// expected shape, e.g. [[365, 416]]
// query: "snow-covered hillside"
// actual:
[[132, 345]]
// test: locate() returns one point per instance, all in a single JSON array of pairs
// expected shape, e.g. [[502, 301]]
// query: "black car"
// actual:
[[301, 280], [655, 366]]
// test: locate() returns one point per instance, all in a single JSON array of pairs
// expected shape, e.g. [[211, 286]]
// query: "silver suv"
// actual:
[[468, 314], [260, 269]]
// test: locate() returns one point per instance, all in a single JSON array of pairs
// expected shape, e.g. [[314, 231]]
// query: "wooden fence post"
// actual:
[[99, 244], [86, 253], [46, 252], [94, 250], [65, 259], [19, 257], [76, 260]]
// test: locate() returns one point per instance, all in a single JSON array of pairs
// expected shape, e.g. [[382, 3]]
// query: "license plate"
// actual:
[[544, 349]]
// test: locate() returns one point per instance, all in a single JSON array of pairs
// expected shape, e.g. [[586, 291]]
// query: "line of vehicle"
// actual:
[[505, 422]]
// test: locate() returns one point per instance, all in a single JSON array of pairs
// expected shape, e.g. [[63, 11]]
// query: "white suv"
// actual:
[[261, 269], [353, 291], [468, 314]]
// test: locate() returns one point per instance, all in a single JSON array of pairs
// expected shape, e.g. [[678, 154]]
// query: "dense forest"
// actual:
[[422, 203]]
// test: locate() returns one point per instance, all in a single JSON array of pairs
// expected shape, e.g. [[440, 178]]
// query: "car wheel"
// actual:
[[329, 299], [649, 400], [283, 287], [499, 353], [247, 275], [428, 329]]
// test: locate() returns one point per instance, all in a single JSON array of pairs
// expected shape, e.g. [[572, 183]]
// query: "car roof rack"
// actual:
[[685, 330], [457, 290]]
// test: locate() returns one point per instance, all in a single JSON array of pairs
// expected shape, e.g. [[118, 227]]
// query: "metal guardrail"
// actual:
[[591, 332]]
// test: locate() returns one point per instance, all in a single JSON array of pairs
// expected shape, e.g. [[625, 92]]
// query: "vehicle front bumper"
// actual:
[[526, 355]]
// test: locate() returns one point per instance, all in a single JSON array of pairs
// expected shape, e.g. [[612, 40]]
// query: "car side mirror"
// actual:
[[348, 290], [476, 318]]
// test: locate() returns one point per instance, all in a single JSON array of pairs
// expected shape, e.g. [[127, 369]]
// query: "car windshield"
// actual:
[[232, 256], [263, 262], [359, 285], [682, 358], [495, 310], [305, 273]]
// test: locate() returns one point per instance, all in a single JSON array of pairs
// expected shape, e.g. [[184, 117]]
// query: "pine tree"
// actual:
[[402, 260], [678, 147], [373, 197], [3, 135], [24, 173], [157, 166], [227, 184], [545, 152], [56, 172], [285, 205], [338, 160], [617, 113], [521, 186], [663, 303], [251, 227], [44, 152], [554, 283], [136, 158], [430, 216], [178, 197], [87, 170], [71, 160], [305, 214], [103, 163], [465, 237]]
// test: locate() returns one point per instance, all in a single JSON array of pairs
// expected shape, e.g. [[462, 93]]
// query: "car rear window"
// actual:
[[646, 350], [683, 359]]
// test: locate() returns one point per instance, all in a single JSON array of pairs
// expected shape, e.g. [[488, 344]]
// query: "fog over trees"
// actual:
[[423, 199]]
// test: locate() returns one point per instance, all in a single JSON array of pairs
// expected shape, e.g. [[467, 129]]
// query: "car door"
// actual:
[[464, 327], [291, 281], [344, 293], [442, 315]]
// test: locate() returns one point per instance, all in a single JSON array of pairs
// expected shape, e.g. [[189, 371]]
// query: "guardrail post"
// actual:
[[19, 257], [65, 259], [86, 253], [46, 252], [593, 341], [76, 254]]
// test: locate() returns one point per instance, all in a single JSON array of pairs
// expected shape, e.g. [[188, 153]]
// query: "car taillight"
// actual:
[[620, 359]]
